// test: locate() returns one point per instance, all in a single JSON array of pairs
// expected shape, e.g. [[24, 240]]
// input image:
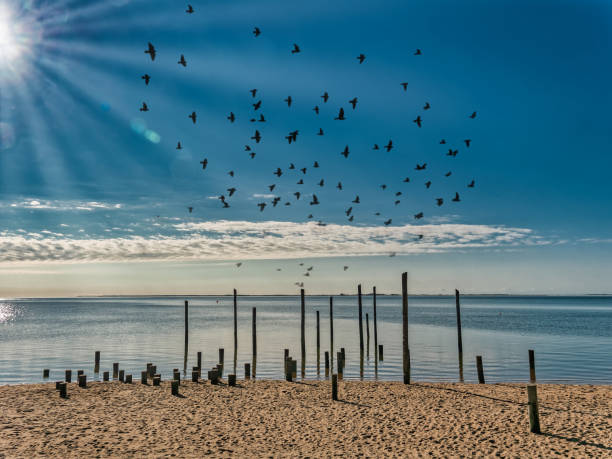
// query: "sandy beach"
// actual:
[[277, 418]]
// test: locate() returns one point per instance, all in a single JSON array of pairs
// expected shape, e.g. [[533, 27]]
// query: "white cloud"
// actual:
[[34, 204], [229, 240]]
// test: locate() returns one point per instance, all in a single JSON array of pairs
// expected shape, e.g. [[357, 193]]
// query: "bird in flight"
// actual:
[[316, 164], [253, 92], [353, 102], [420, 167], [261, 118], [448, 174], [387, 223], [473, 115], [418, 121], [356, 200], [288, 100], [428, 184], [204, 163], [439, 201], [271, 187], [144, 108], [303, 169], [297, 195], [325, 97], [296, 49], [193, 117], [238, 265], [456, 198], [320, 132], [340, 115], [339, 186], [231, 191], [262, 206], [231, 117], [322, 182], [147, 78], [256, 32], [314, 202], [189, 9], [291, 166], [278, 173], [405, 86], [346, 267], [418, 52], [407, 179], [452, 152], [275, 201], [467, 142], [471, 184], [389, 146], [348, 211], [256, 137], [419, 215], [257, 105], [383, 186], [151, 51], [442, 142], [427, 106], [230, 173], [182, 61], [361, 58], [375, 147], [179, 146], [316, 109], [345, 153]]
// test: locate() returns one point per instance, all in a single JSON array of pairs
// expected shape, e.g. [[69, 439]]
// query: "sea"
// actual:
[[571, 336]]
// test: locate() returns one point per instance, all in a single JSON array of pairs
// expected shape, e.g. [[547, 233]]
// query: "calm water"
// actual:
[[572, 336]]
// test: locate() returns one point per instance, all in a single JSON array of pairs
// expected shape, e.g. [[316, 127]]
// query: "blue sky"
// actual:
[[92, 190]]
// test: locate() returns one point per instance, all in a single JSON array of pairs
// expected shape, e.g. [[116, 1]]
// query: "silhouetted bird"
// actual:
[[303, 169], [253, 92], [204, 163], [442, 142], [238, 265], [316, 109], [396, 202], [420, 167], [262, 206], [144, 108], [325, 97], [190, 209], [350, 219], [320, 132], [399, 193], [275, 201], [309, 216], [193, 117], [427, 106], [247, 148], [448, 174], [471, 184], [346, 267], [419, 215], [230, 173], [189, 9], [296, 49], [322, 182], [353, 102], [297, 195], [452, 153], [179, 146], [278, 172], [182, 61], [405, 86], [428, 184], [388, 222], [231, 191], [256, 32], [375, 147], [345, 153], [300, 182], [271, 187], [407, 179], [147, 78], [252, 154], [257, 105], [348, 211], [316, 164], [261, 118], [291, 166], [420, 236], [418, 52], [361, 58], [356, 200], [389, 146], [314, 201], [288, 100], [467, 142], [256, 137], [383, 186], [418, 121], [340, 115], [339, 186], [151, 51], [473, 115], [456, 198], [439, 201], [225, 205]]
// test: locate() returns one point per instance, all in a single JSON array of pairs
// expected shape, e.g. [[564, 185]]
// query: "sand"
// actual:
[[277, 418]]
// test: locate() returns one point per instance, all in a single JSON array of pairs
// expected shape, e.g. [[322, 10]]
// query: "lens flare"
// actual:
[[20, 32]]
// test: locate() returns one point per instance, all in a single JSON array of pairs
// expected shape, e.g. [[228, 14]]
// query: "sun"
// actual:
[[20, 34], [10, 48]]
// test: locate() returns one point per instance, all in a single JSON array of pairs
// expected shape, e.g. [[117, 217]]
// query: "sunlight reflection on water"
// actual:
[[8, 312]]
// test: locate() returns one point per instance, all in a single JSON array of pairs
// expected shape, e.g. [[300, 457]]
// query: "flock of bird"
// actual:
[[258, 117]]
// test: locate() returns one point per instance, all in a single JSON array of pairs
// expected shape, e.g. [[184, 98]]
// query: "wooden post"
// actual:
[[128, 379], [343, 356], [143, 377], [367, 336], [194, 376], [326, 364], [221, 361], [235, 328], [534, 413], [45, 373], [156, 380], [339, 361], [288, 370], [405, 348], [331, 333], [380, 353], [303, 332], [149, 373], [57, 384], [68, 376], [186, 336], [231, 380], [375, 326], [247, 371], [200, 362], [293, 368], [318, 346], [80, 372], [334, 387], [121, 375], [62, 390], [532, 373], [154, 371], [83, 381], [481, 379], [177, 376], [115, 370], [459, 340], [360, 320], [105, 376], [253, 370], [285, 358], [97, 362], [175, 387]]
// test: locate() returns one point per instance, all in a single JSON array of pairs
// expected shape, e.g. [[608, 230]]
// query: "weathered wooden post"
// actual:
[[46, 373], [62, 390], [68, 377], [105, 376], [156, 380], [115, 370], [186, 336], [334, 387], [339, 362], [253, 370], [143, 377], [221, 361], [57, 384], [481, 378], [360, 320], [326, 364], [331, 333], [285, 357], [121, 375], [405, 348], [293, 369], [288, 370], [343, 355], [534, 412], [318, 346], [80, 372], [195, 374], [175, 387], [231, 380], [247, 371], [532, 373], [128, 379], [235, 329], [459, 340], [303, 331], [153, 370], [149, 374], [83, 381], [375, 326], [380, 353], [367, 336], [200, 362], [97, 362]]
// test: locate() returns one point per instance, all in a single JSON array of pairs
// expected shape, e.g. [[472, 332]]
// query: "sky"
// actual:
[[94, 194]]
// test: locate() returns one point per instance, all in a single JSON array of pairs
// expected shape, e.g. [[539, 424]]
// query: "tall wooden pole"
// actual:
[[459, 339], [360, 320], [235, 330], [405, 348], [254, 365], [303, 331], [318, 346], [331, 333], [375, 334], [186, 335]]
